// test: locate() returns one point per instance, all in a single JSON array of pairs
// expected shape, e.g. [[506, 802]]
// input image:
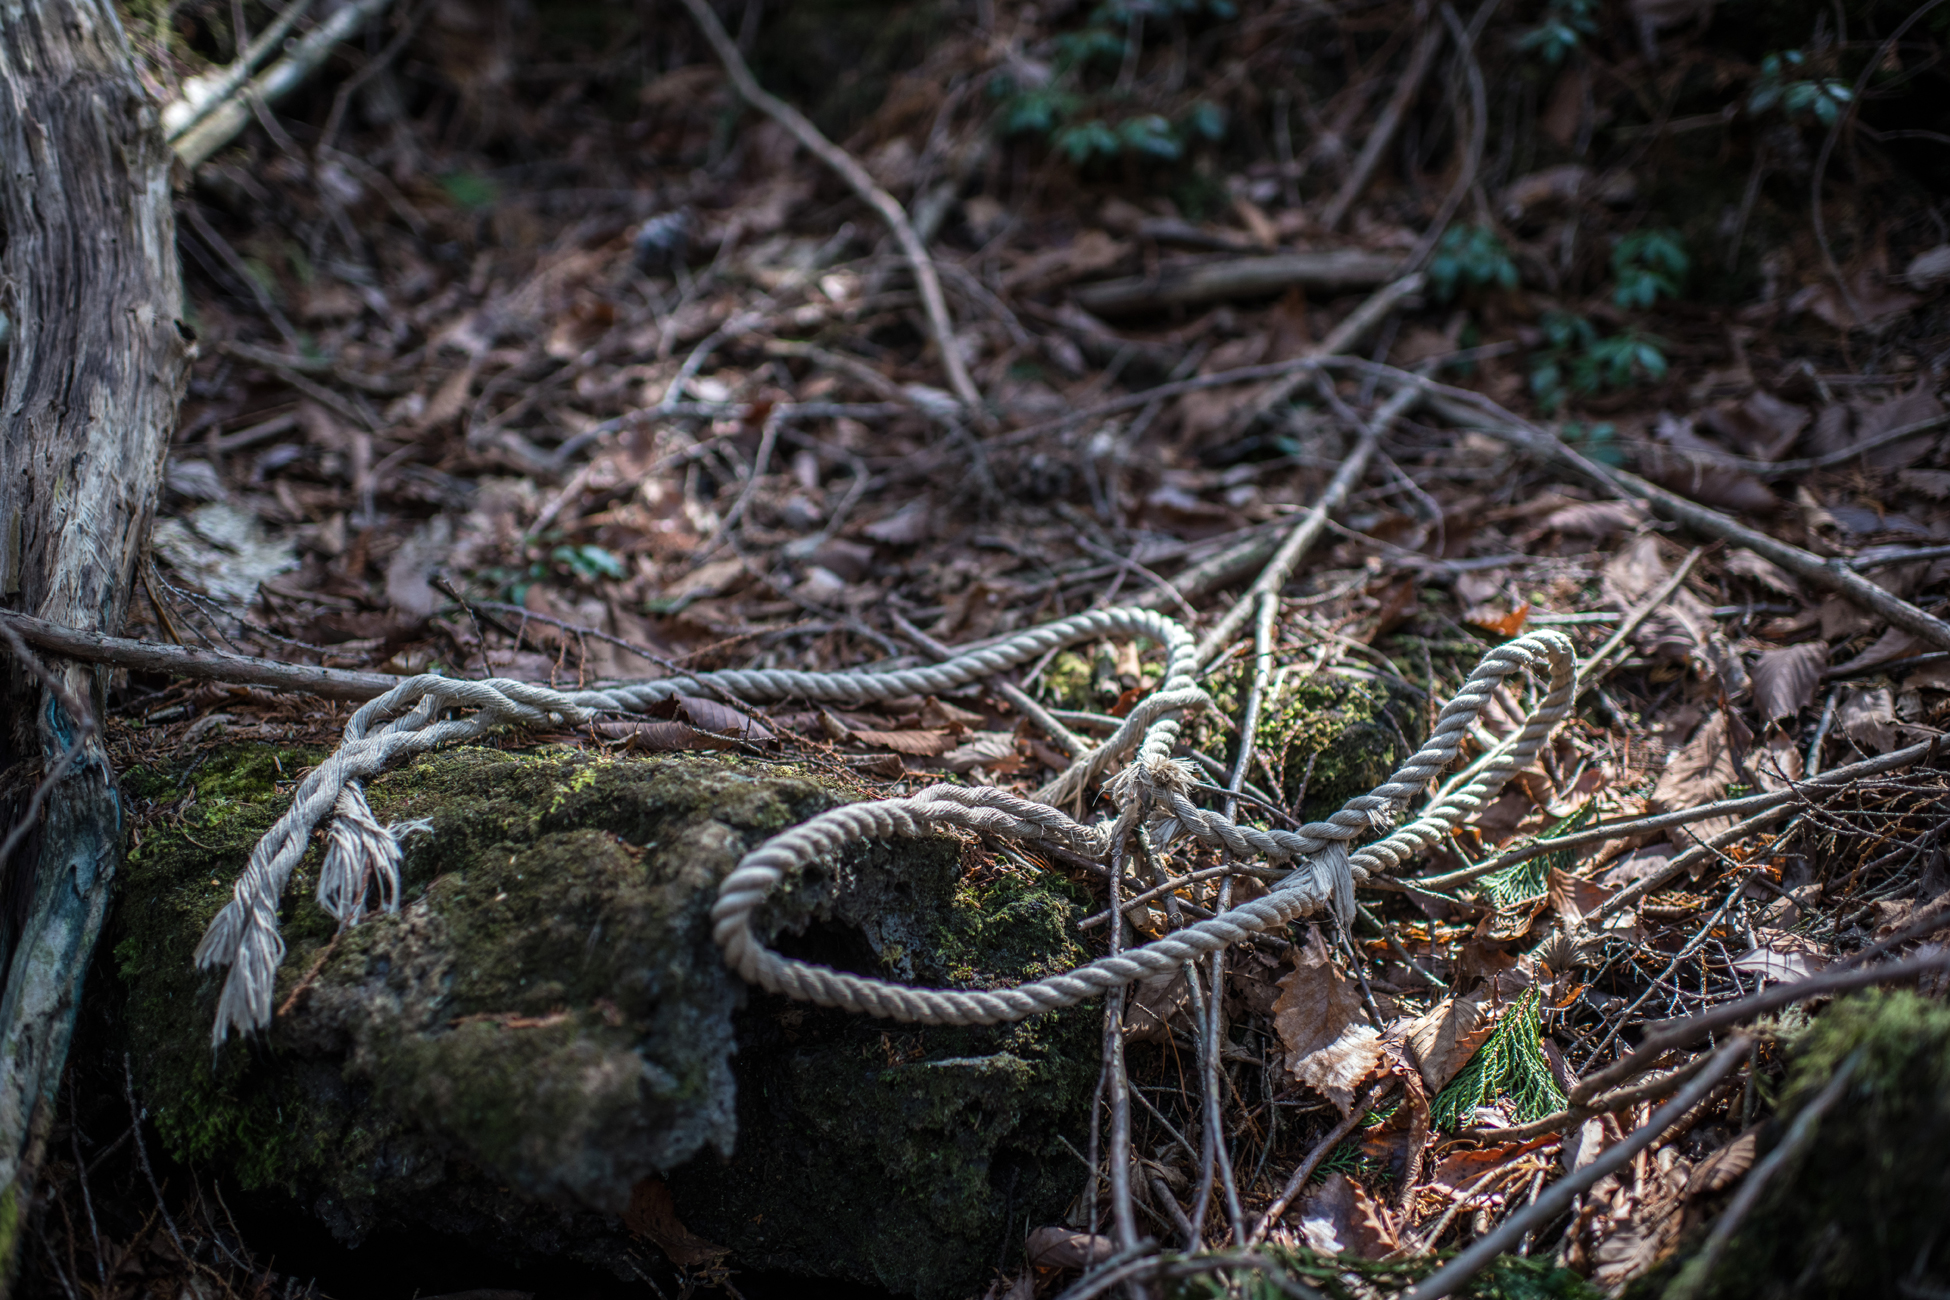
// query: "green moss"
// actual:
[[1354, 731], [1860, 1212], [548, 1018], [1066, 682]]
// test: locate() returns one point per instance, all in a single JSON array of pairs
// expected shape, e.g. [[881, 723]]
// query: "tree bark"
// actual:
[[96, 367]]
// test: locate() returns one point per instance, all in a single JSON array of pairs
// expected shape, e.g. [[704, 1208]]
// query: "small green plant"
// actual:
[[1648, 266], [1597, 442], [1784, 84], [1562, 30], [1577, 360], [1088, 125], [1470, 257], [589, 562], [1511, 1064]]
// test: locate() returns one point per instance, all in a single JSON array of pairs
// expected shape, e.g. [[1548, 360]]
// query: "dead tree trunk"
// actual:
[[89, 281]]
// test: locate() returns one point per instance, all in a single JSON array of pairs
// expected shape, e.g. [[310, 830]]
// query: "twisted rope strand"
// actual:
[[1153, 788]]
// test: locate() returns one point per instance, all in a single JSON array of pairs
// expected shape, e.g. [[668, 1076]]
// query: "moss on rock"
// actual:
[[1860, 1212], [1329, 736], [546, 1022]]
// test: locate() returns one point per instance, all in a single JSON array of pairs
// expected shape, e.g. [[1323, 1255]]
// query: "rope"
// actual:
[[1152, 787]]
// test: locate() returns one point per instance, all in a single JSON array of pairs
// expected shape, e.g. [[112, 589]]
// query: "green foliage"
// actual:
[[1649, 265], [1511, 1064], [1562, 30], [1577, 360], [1597, 442], [1092, 125], [1470, 257], [470, 189], [1783, 84], [589, 562]]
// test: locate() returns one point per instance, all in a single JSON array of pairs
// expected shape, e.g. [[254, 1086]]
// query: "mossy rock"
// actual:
[[1354, 731], [1861, 1211], [546, 1027]]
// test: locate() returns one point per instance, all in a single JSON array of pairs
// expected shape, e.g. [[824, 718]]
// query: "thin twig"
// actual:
[[1322, 1149], [883, 203], [1451, 1276], [1693, 1276], [1419, 61], [1687, 1032]]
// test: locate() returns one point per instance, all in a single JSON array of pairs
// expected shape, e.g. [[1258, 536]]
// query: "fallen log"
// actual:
[[1189, 282]]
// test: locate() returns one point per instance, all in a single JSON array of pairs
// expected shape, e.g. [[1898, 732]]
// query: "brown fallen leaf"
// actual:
[[1677, 629], [1761, 425], [983, 749], [1721, 1169], [1785, 679], [1339, 1217], [1440, 1041], [1700, 773], [919, 744], [1747, 564], [1330, 1046], [1918, 404]]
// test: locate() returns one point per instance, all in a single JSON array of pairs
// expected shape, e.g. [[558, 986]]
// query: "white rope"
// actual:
[[1152, 787]]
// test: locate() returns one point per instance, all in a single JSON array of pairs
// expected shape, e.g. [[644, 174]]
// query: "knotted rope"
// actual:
[[1153, 788]]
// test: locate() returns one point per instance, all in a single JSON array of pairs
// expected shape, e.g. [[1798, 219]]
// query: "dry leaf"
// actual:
[[1497, 622], [1894, 643], [1724, 1167], [1761, 425], [1440, 1041], [1747, 564], [1574, 898], [1157, 1007], [913, 522], [918, 744], [1776, 765], [1913, 407], [1339, 1217], [1597, 520], [1330, 1046], [710, 715], [984, 748], [1867, 716], [712, 579], [1785, 679], [1673, 631], [1778, 967], [662, 737], [1699, 774]]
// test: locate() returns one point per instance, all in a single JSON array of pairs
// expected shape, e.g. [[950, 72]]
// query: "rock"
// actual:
[[1328, 737], [543, 1056]]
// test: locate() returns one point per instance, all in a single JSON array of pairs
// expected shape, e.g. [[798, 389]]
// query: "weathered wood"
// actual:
[[196, 664], [94, 373], [1239, 277]]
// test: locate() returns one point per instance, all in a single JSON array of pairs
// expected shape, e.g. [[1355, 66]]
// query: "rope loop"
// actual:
[[1152, 791]]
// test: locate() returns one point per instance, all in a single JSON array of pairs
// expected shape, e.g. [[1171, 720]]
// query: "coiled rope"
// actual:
[[1152, 789]]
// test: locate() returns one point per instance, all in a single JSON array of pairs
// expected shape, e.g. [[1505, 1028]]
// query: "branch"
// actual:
[[1390, 122], [198, 665], [855, 175], [219, 124], [1451, 1276]]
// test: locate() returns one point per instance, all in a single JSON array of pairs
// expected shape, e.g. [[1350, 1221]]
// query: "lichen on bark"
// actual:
[[546, 1023]]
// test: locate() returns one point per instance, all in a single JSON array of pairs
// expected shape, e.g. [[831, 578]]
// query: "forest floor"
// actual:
[[528, 349]]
